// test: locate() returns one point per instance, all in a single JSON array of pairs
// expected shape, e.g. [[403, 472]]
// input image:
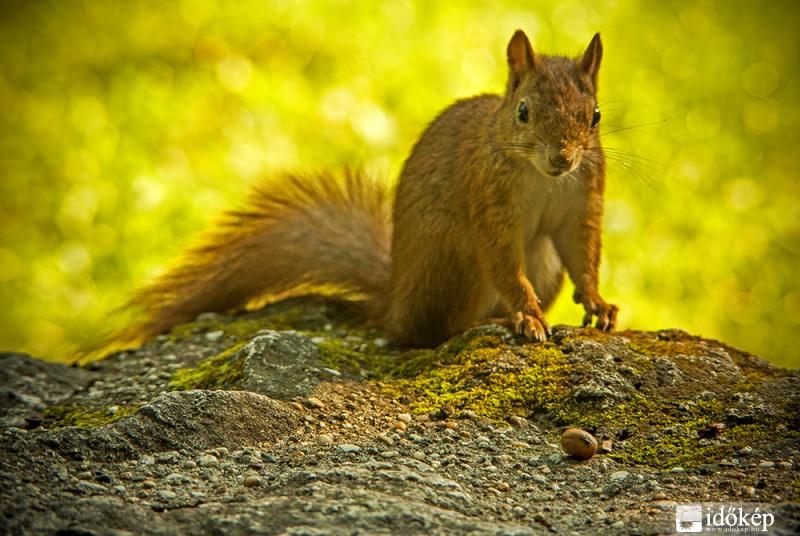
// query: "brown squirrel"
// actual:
[[497, 198]]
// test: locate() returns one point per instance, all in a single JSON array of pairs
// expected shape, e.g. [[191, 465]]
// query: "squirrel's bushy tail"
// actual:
[[326, 232]]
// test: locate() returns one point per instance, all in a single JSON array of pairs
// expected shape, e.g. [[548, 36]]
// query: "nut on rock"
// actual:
[[578, 443]]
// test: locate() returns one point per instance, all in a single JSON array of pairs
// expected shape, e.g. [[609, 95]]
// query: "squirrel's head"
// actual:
[[549, 112]]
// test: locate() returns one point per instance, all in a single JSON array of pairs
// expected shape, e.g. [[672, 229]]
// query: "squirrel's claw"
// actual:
[[606, 314], [536, 329]]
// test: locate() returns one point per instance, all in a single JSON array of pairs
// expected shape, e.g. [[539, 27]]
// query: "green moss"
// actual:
[[483, 375], [213, 373], [241, 328], [367, 361], [61, 416]]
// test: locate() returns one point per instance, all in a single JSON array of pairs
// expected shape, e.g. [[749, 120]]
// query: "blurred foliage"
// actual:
[[124, 126]]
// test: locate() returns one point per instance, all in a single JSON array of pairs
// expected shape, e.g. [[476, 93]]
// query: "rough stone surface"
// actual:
[[256, 457]]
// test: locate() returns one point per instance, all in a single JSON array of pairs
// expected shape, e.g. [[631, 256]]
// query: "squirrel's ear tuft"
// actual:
[[590, 62], [520, 59]]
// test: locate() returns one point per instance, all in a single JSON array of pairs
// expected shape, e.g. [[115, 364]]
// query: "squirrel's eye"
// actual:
[[595, 117], [522, 112]]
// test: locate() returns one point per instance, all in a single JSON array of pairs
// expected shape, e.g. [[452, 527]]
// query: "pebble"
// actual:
[[221, 451], [390, 454], [148, 484], [418, 455], [606, 446], [347, 447], [503, 486], [660, 496], [766, 464], [404, 417], [166, 494], [314, 402], [386, 439], [188, 464], [519, 444], [401, 426], [618, 525], [517, 421], [469, 415], [677, 470], [452, 425], [208, 460], [785, 465], [618, 476], [325, 439], [214, 335], [746, 451], [174, 478], [252, 481]]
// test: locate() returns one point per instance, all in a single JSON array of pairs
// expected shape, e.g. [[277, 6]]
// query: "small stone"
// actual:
[[519, 444], [166, 494], [469, 415], [746, 451], [314, 402], [677, 470], [390, 454], [618, 525], [404, 417], [503, 486], [325, 439], [401, 426], [174, 478], [252, 481], [347, 447], [785, 465], [517, 422], [578, 443], [618, 476], [208, 460], [766, 464], [188, 464], [221, 451], [606, 446], [386, 439], [452, 425], [214, 335], [148, 484], [660, 496]]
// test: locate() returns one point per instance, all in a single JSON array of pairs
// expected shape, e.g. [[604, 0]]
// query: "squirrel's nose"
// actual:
[[560, 161]]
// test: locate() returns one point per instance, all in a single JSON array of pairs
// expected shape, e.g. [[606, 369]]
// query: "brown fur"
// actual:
[[489, 212]]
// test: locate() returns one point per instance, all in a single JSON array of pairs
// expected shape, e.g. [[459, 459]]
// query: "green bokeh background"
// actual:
[[125, 126]]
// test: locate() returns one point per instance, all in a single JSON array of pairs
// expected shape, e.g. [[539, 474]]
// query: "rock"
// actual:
[[281, 365], [149, 460]]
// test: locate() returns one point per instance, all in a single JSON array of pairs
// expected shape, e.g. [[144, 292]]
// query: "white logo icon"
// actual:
[[689, 518]]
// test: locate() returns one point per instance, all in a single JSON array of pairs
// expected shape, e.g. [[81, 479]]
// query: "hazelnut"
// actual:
[[578, 443]]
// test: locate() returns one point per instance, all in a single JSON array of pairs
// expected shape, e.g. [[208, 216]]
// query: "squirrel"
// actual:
[[499, 197]]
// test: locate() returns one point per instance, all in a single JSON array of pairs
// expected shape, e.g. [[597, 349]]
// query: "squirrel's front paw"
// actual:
[[535, 328], [605, 312]]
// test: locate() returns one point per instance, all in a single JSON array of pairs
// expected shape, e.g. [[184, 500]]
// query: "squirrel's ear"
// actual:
[[520, 59], [590, 62]]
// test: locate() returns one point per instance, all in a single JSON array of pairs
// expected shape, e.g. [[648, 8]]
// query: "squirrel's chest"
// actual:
[[548, 203]]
